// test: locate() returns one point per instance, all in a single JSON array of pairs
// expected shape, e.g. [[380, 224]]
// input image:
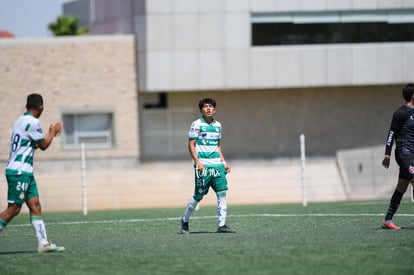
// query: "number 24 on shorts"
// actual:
[[22, 186]]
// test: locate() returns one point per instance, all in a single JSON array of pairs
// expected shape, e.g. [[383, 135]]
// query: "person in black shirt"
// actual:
[[402, 132]]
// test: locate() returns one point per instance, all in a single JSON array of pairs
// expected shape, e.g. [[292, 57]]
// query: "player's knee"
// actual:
[[14, 209], [221, 193], [198, 197]]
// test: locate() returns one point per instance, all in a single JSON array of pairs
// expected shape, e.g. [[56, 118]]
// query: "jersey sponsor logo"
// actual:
[[212, 172], [208, 142], [411, 169]]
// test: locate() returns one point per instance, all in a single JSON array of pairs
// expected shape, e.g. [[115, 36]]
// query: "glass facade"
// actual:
[[333, 27]]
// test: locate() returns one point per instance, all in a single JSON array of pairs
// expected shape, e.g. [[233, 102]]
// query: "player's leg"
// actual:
[[36, 219], [405, 162], [16, 195], [39, 227], [201, 186], [7, 215], [394, 204], [185, 219], [221, 207], [220, 187]]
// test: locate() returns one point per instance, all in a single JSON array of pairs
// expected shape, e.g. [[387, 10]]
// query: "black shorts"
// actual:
[[406, 164]]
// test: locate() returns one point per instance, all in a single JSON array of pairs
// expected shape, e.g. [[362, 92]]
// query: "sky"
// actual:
[[29, 18]]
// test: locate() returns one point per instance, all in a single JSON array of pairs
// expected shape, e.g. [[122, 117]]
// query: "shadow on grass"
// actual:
[[407, 228], [18, 252], [202, 232], [198, 232], [206, 232], [402, 228]]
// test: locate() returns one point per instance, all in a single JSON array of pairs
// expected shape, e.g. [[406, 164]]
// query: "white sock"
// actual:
[[191, 206], [221, 210], [39, 229]]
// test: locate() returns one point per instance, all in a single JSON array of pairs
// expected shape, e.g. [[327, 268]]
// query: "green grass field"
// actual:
[[322, 238]]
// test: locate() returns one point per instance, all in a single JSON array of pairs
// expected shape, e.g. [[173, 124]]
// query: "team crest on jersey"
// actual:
[[411, 169]]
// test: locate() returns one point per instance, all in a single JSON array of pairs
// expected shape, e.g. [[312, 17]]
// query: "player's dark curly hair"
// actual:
[[34, 101], [206, 101], [408, 91]]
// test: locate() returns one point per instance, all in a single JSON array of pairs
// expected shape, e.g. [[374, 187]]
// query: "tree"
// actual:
[[66, 25]]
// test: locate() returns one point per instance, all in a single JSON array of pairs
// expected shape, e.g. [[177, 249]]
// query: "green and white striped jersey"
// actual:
[[207, 138], [27, 131]]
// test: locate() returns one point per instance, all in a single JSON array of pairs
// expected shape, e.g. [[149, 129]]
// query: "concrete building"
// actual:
[[85, 84], [329, 69], [278, 68]]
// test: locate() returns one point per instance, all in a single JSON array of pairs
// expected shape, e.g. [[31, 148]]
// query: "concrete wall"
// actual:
[[206, 45], [73, 74], [186, 45], [363, 175], [268, 123], [171, 184]]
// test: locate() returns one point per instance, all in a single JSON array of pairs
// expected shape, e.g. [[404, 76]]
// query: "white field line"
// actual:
[[214, 217]]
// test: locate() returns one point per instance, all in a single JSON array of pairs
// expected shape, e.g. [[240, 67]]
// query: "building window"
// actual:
[[158, 101], [164, 130], [93, 129], [270, 29]]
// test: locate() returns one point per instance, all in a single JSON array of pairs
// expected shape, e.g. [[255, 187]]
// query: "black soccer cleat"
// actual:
[[184, 227], [225, 229]]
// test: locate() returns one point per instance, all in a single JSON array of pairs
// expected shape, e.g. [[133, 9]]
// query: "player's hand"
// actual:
[[200, 167], [55, 129], [227, 167], [386, 161]]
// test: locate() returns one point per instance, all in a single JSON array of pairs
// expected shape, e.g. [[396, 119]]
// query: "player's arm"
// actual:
[[388, 147], [222, 158], [45, 143], [194, 155], [396, 124]]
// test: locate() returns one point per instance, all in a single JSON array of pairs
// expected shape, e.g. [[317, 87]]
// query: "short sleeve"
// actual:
[[194, 131], [35, 132]]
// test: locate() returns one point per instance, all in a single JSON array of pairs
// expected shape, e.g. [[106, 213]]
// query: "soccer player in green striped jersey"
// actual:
[[27, 136], [210, 168]]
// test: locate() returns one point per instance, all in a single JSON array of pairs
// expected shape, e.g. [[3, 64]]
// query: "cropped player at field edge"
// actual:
[[402, 131], [210, 168], [27, 136]]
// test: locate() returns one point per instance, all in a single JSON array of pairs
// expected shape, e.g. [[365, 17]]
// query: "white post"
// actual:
[[303, 176], [84, 197]]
